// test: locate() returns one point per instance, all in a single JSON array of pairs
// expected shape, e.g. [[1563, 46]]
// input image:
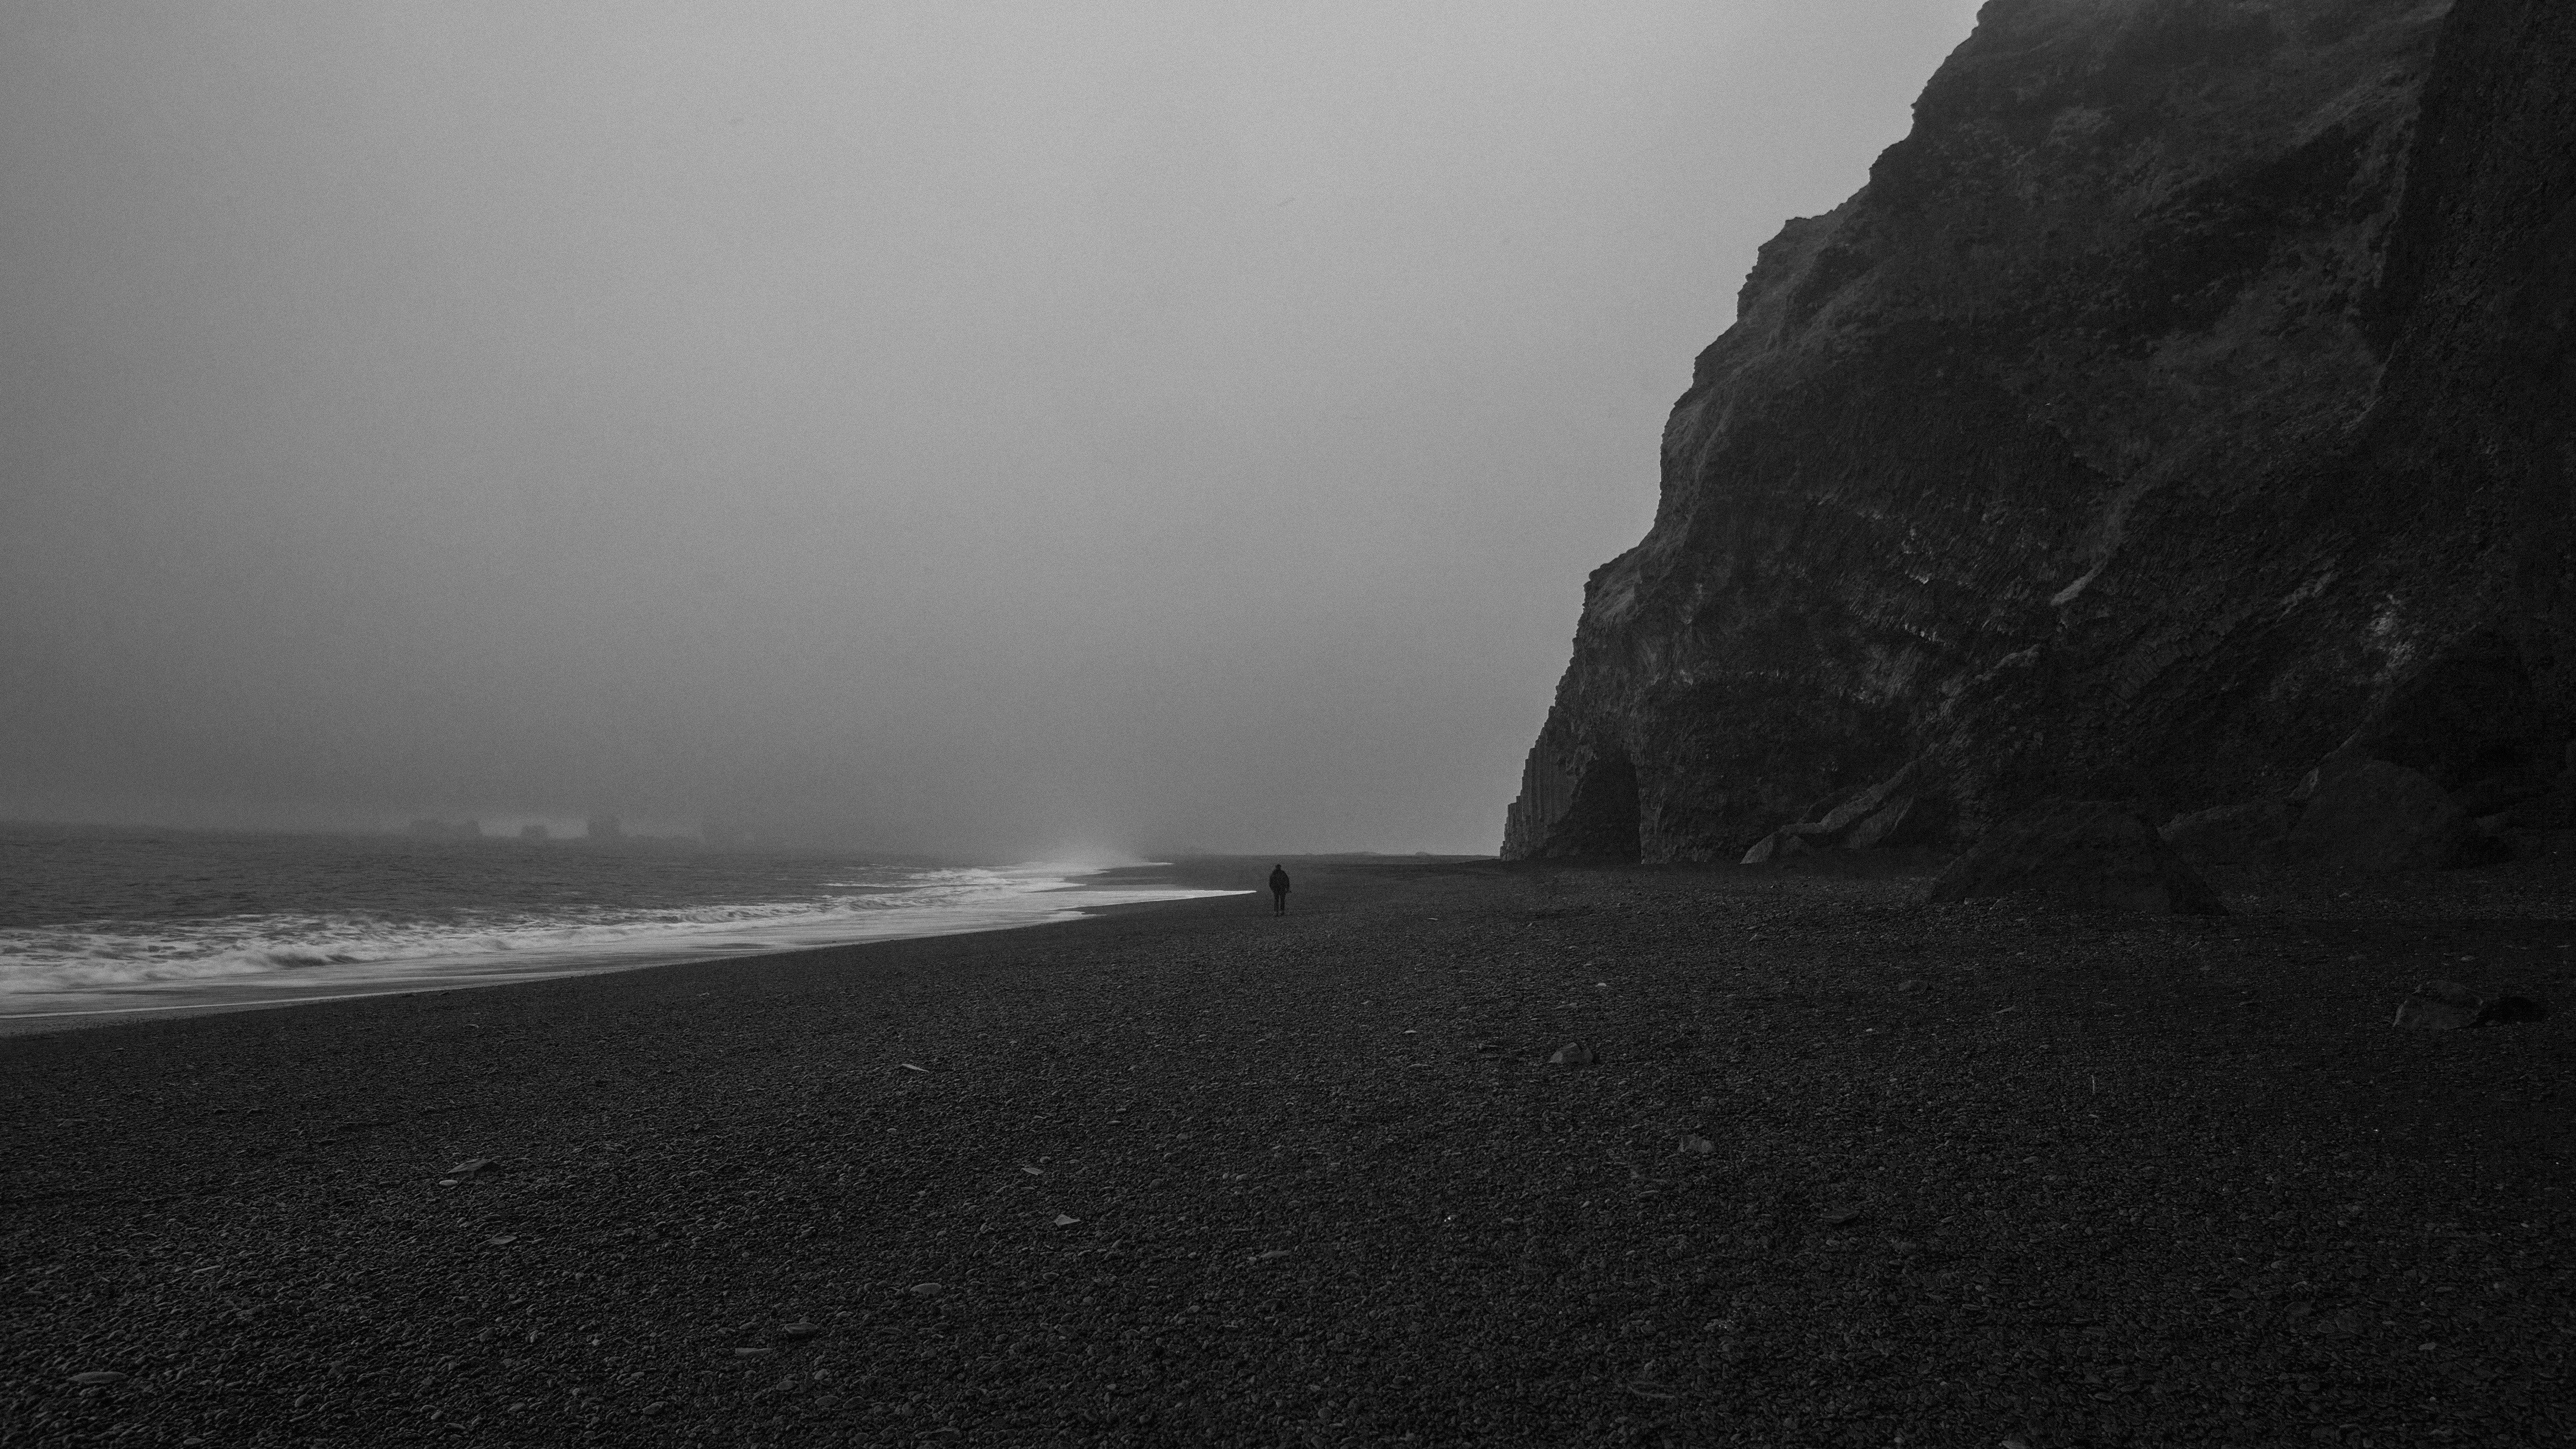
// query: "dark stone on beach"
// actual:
[[2439, 1006], [1573, 1054], [2086, 853], [2508, 1010], [469, 1167], [802, 1328], [2379, 817], [2449, 1006]]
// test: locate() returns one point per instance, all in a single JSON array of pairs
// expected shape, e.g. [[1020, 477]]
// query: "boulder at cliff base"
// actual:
[[2086, 853], [2237, 834], [2376, 816]]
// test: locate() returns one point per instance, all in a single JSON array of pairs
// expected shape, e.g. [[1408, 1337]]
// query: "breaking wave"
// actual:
[[105, 954]]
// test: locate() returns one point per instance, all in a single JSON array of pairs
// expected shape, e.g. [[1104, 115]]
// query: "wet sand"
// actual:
[[1846, 1168]]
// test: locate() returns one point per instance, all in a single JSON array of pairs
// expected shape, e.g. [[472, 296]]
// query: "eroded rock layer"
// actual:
[[2192, 376]]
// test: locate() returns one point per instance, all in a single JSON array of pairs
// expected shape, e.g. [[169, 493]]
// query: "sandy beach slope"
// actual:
[[1846, 1169]]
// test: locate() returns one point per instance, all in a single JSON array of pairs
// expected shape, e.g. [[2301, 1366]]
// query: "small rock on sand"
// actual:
[[1573, 1054], [2507, 1009], [2439, 1006]]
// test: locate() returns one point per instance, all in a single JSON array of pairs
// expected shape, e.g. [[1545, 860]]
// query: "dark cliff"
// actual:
[[2193, 376]]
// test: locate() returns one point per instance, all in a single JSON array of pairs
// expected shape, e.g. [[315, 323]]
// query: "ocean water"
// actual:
[[98, 922]]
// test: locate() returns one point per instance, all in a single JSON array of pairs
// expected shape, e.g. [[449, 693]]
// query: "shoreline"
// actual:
[[1846, 1165], [295, 986]]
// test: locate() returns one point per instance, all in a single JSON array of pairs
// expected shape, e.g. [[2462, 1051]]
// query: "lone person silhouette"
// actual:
[[1278, 890]]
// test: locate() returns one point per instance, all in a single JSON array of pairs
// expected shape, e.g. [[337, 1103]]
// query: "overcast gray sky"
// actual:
[[996, 428]]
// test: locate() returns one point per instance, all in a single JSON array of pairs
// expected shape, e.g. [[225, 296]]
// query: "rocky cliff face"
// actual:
[[2195, 376]]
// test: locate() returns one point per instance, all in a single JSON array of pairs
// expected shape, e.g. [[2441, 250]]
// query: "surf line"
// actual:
[[221, 1005]]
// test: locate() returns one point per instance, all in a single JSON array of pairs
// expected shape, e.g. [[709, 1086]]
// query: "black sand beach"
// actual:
[[1847, 1171]]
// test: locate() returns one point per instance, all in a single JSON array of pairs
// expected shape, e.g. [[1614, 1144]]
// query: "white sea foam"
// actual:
[[356, 947]]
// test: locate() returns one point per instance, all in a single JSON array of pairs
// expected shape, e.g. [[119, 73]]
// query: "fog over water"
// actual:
[[984, 428]]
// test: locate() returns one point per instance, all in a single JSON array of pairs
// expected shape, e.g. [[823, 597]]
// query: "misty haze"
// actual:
[[971, 428], [1846, 723]]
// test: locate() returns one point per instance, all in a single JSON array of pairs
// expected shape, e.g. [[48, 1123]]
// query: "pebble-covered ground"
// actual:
[[1847, 1170]]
